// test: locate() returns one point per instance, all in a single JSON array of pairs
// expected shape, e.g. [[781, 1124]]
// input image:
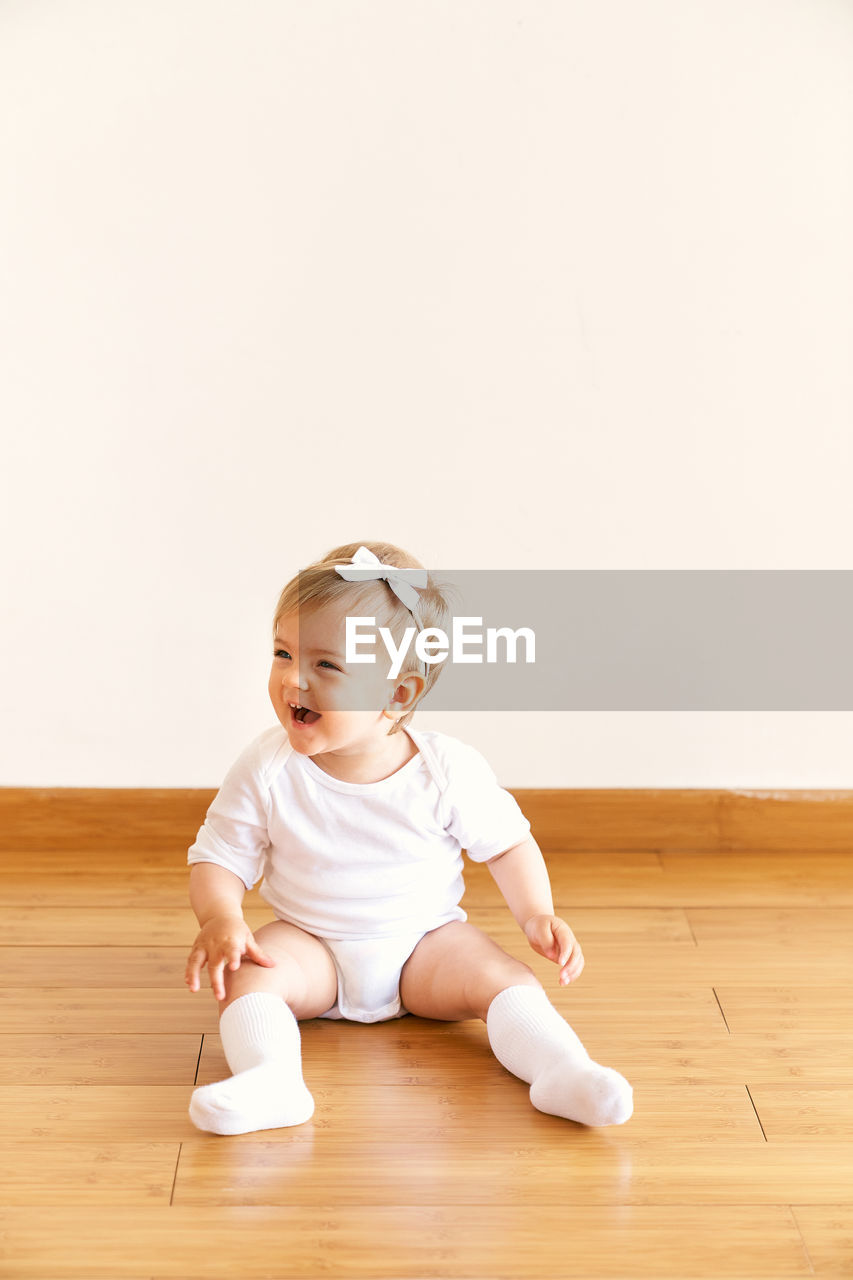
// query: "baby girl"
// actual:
[[357, 823]]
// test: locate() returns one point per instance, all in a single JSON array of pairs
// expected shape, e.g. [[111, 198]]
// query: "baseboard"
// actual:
[[563, 820]]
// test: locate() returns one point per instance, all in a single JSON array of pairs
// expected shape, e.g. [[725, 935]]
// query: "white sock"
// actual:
[[261, 1040], [531, 1040]]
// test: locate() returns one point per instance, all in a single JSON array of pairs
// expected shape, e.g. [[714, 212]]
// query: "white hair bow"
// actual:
[[366, 567]]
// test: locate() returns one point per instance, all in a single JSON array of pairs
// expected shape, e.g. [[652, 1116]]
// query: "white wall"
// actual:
[[506, 282]]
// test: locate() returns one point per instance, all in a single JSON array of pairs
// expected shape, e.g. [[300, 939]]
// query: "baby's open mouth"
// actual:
[[303, 715]]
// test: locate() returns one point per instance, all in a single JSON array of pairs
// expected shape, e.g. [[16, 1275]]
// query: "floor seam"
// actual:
[[198, 1060], [720, 1007], [175, 1178], [755, 1109], [793, 1214]]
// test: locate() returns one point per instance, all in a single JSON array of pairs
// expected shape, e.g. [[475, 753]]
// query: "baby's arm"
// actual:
[[522, 877], [216, 895]]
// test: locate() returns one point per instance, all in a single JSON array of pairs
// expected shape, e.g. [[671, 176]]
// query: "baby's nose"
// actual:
[[292, 679]]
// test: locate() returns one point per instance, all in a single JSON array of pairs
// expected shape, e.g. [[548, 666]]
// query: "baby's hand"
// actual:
[[552, 938], [223, 940]]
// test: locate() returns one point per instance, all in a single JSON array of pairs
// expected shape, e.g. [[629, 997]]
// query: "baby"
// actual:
[[357, 823]]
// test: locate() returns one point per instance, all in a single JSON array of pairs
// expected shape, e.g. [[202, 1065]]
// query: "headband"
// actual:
[[366, 567]]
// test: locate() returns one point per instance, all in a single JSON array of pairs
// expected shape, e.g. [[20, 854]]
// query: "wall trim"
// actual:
[[134, 819]]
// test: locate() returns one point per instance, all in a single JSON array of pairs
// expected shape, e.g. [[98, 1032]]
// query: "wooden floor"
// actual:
[[721, 985]]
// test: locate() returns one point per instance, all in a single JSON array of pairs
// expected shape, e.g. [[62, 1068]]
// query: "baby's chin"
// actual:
[[304, 735], [349, 732]]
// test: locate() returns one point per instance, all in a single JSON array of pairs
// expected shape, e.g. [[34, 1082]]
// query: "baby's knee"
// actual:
[[504, 973], [518, 974], [285, 979], [524, 977]]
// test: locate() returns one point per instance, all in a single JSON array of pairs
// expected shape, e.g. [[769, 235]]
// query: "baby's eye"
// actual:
[[280, 653], [330, 665]]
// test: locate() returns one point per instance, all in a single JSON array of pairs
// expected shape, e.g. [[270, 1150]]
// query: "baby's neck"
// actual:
[[369, 768]]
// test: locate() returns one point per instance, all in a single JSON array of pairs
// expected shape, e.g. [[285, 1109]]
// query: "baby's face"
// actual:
[[344, 701]]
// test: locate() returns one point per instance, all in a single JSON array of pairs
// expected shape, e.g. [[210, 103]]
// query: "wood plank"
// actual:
[[99, 1113], [117, 858], [98, 966], [816, 927], [797, 1113], [649, 1242], [709, 966], [592, 1007], [616, 960], [45, 1058], [744, 1057], [106, 1174], [109, 926], [783, 880], [308, 1167], [674, 881], [806, 1010], [92, 1010], [94, 890]]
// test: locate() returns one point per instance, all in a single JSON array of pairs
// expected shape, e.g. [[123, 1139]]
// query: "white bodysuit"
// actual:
[[368, 868]]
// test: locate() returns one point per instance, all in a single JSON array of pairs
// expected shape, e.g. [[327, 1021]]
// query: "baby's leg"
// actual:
[[260, 1035], [458, 972]]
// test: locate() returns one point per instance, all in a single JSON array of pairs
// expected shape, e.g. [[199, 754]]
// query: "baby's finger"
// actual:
[[217, 978], [195, 964], [543, 940], [564, 941], [254, 952], [232, 954], [573, 968]]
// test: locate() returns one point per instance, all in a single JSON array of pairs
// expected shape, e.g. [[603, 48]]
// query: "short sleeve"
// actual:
[[235, 833], [484, 817]]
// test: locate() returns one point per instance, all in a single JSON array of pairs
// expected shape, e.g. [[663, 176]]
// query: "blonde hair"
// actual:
[[319, 586]]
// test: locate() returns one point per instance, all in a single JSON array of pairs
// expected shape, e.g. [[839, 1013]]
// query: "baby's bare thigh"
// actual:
[[456, 971], [304, 973]]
